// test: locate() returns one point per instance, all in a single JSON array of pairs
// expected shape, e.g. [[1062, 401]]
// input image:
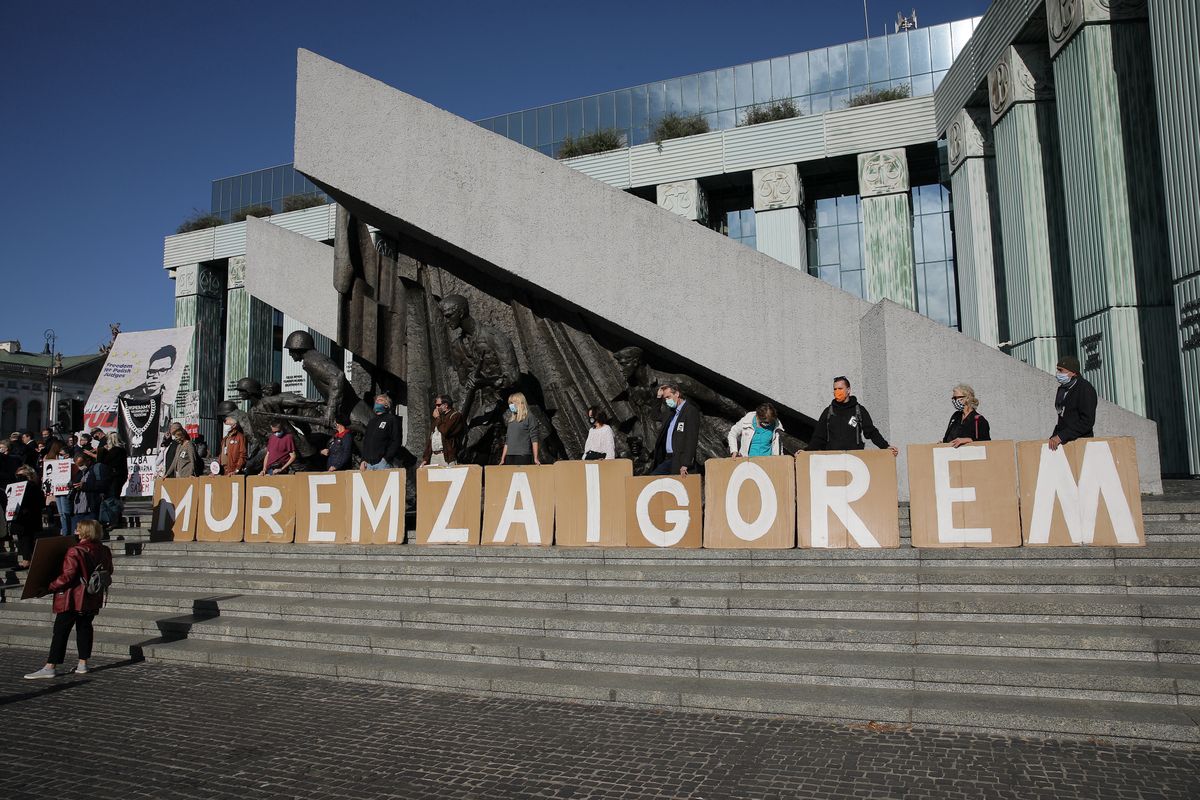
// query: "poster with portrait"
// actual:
[[137, 387], [14, 493], [56, 477]]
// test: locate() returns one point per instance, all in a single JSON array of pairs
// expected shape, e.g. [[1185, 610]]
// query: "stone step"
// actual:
[[1165, 723], [154, 612], [1058, 678], [1155, 609]]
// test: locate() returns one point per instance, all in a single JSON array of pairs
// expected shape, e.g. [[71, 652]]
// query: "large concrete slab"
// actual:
[[293, 273], [514, 213]]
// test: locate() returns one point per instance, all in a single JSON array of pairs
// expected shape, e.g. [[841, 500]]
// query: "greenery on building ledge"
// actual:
[[770, 112], [872, 96], [299, 202], [198, 221], [251, 211], [676, 126], [596, 142]]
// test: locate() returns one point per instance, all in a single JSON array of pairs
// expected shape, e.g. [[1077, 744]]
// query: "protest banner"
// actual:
[[449, 504], [270, 516], [589, 502], [847, 499], [750, 502], [518, 505], [174, 510], [663, 511], [964, 496], [14, 493], [56, 477]]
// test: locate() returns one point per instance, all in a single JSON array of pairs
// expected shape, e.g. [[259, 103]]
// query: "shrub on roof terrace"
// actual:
[[770, 112], [596, 142], [299, 202], [676, 126], [872, 96], [198, 221], [252, 211]]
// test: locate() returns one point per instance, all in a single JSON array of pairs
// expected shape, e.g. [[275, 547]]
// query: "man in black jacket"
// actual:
[[383, 437], [1075, 403], [845, 424], [675, 450]]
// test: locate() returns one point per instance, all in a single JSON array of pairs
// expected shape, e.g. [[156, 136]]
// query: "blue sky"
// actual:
[[115, 117]]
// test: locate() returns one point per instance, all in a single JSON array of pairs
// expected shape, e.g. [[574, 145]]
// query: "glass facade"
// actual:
[[264, 187], [818, 80], [835, 248], [739, 225]]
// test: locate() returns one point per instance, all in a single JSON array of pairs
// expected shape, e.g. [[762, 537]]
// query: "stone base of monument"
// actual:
[[1079, 643]]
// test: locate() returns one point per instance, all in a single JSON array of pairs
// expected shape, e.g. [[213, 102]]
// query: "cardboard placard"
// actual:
[[589, 502], [270, 509], [46, 564], [964, 496], [847, 499], [14, 493], [221, 513], [377, 506], [449, 504], [750, 502], [663, 511], [518, 505], [56, 476], [1064, 490], [322, 507], [175, 504]]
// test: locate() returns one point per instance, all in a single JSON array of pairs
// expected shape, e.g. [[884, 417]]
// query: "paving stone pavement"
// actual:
[[166, 731]]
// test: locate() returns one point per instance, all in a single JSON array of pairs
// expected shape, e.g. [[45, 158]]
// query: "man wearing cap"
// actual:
[[1075, 403]]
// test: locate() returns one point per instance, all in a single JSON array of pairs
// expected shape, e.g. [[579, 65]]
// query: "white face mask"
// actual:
[[225, 429]]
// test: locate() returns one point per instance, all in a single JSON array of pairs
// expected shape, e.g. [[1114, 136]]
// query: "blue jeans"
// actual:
[[65, 526], [380, 464]]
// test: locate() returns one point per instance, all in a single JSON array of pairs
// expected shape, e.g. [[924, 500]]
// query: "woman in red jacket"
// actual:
[[73, 606]]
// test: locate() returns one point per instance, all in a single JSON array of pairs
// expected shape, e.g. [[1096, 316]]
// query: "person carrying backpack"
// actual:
[[78, 596], [845, 424]]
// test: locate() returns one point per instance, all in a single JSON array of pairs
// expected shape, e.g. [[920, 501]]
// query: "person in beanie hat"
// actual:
[[1075, 403]]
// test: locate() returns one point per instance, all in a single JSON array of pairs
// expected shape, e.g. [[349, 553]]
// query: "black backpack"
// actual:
[[98, 580]]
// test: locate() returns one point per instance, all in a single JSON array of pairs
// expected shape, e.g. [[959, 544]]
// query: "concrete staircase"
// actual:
[[1065, 642]]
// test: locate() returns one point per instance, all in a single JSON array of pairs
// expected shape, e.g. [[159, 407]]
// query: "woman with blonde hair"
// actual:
[[75, 606], [966, 423], [524, 434]]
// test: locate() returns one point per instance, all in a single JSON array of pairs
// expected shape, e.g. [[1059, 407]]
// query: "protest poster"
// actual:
[[14, 493], [56, 477]]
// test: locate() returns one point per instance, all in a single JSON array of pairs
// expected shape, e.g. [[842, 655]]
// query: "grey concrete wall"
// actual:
[[505, 207], [293, 274]]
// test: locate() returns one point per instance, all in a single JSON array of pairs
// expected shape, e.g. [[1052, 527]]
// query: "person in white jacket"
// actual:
[[756, 434], [600, 441]]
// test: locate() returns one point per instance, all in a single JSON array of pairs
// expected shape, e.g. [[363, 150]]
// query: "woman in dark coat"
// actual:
[[73, 606], [26, 526], [966, 423]]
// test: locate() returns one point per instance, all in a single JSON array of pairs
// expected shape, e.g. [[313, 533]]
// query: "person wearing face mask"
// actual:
[[845, 423], [524, 434], [281, 451], [383, 438], [679, 437], [233, 448], [184, 463], [445, 436], [756, 434], [600, 444], [966, 423], [341, 446], [1075, 403]]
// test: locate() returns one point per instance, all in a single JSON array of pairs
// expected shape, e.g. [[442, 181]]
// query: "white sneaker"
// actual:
[[44, 672], [82, 669]]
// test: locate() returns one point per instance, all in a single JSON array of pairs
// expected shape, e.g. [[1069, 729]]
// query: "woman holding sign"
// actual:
[[966, 424], [26, 524]]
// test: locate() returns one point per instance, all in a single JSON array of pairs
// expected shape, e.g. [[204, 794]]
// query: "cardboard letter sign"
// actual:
[[663, 511], [518, 505], [589, 502], [322, 508], [847, 499], [175, 501], [750, 502], [220, 517], [377, 506], [964, 496], [449, 500], [1061, 493], [270, 509]]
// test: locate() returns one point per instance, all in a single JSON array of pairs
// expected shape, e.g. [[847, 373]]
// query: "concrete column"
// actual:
[[976, 227], [1037, 275], [294, 378], [199, 298], [1174, 32], [248, 328], [779, 215], [685, 198], [1115, 211], [887, 223]]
